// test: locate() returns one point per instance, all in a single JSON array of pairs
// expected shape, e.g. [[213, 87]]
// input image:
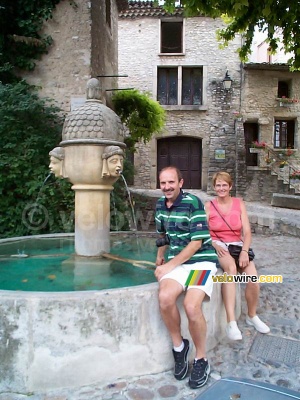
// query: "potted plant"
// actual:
[[282, 164], [295, 176], [257, 146], [288, 152], [286, 101], [269, 160], [238, 116]]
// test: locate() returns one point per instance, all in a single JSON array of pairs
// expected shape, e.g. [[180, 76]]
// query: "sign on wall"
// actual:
[[220, 154]]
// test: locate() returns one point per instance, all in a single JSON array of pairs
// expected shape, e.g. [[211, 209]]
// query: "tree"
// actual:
[[270, 16], [142, 115], [29, 128]]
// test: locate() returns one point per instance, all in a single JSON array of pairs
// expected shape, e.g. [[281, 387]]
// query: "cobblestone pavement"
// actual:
[[279, 308]]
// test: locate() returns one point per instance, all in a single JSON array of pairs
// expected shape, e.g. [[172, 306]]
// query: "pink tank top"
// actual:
[[219, 230]]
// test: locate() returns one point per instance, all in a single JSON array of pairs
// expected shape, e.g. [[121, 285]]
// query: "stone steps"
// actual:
[[286, 201]]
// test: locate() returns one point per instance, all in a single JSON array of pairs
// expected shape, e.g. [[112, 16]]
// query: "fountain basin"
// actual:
[[71, 339]]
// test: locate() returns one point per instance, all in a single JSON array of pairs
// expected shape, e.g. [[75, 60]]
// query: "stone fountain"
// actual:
[[72, 339], [92, 140]]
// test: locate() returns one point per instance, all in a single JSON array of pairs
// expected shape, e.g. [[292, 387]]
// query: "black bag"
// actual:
[[235, 251]]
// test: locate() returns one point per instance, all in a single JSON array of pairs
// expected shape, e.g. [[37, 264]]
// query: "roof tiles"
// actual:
[[140, 9]]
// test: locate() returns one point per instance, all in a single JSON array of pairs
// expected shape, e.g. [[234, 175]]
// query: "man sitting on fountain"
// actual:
[[181, 222]]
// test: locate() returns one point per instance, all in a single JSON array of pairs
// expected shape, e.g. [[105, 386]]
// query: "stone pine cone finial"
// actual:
[[93, 89]]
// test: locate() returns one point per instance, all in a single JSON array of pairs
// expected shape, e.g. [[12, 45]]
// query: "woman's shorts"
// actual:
[[181, 274], [225, 245]]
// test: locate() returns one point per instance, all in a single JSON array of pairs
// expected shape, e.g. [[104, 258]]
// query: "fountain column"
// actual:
[[93, 159]]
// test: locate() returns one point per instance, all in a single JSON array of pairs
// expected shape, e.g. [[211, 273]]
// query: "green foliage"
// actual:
[[142, 115], [29, 128], [21, 42], [269, 16]]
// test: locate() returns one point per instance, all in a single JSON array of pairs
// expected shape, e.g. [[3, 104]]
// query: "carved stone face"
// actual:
[[115, 165], [55, 166]]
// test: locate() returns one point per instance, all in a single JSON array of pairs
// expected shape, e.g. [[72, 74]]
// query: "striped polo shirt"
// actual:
[[183, 222]]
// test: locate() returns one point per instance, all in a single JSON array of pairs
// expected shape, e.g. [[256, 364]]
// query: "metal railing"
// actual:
[[281, 165]]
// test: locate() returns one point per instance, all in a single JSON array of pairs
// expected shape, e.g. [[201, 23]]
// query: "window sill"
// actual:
[[170, 54], [184, 108], [256, 168]]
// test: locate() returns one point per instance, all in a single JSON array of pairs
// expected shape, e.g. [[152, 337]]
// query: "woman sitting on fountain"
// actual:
[[113, 158], [229, 224]]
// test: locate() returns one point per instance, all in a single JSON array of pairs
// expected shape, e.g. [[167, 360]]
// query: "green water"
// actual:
[[51, 265]]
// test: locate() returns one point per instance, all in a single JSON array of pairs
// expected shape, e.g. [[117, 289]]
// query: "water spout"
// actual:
[[46, 179], [130, 202], [35, 205]]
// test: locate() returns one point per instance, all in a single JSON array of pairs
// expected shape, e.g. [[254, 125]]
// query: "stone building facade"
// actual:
[[85, 45], [270, 112], [206, 131], [199, 137], [216, 132]]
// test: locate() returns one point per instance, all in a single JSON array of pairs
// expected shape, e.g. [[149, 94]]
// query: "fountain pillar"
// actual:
[[92, 219], [93, 143]]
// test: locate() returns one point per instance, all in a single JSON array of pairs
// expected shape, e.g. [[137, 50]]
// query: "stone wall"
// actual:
[[84, 46]]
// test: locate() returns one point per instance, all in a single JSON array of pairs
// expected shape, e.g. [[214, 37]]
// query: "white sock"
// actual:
[[179, 348]]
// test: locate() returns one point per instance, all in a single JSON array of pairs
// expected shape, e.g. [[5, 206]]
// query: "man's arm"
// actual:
[[179, 259], [160, 257]]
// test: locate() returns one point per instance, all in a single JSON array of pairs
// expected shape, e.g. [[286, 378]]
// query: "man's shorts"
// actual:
[[181, 274]]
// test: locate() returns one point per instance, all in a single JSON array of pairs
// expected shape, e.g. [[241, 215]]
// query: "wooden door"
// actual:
[[185, 154], [251, 135]]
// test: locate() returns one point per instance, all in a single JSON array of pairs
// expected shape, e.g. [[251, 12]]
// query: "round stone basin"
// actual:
[[48, 264], [65, 339]]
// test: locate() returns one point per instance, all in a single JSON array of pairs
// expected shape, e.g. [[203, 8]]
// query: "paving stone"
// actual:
[[140, 394], [168, 391]]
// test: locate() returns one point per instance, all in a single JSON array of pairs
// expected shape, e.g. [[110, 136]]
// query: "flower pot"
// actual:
[[284, 104], [255, 149], [294, 181]]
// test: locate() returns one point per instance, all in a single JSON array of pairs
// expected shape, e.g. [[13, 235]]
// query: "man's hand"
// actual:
[[160, 260], [162, 270]]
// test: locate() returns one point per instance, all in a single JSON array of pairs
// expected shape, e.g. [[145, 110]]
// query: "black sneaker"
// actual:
[[181, 361], [199, 374]]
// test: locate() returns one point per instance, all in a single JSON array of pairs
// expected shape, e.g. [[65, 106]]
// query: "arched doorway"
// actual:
[[184, 153]]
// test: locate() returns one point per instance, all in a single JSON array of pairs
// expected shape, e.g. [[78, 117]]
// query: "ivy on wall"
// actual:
[[21, 41]]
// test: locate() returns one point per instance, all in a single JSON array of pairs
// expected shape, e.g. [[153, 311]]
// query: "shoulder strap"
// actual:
[[225, 222]]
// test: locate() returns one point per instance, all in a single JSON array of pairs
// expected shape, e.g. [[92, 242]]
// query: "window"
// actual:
[[171, 37], [191, 86], [180, 86], [167, 86], [284, 134], [283, 89]]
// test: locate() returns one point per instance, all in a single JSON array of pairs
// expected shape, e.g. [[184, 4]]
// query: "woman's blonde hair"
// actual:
[[222, 175]]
